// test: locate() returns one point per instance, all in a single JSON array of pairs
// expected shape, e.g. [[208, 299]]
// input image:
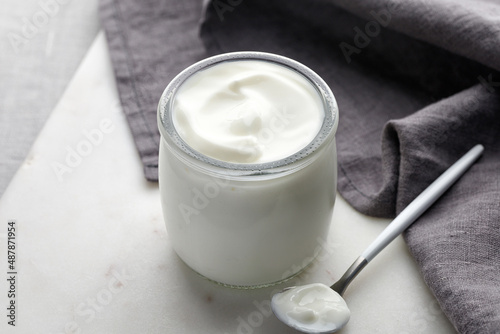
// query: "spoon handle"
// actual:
[[422, 202]]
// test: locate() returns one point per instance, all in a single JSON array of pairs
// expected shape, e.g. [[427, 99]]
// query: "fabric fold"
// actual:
[[468, 28], [150, 42]]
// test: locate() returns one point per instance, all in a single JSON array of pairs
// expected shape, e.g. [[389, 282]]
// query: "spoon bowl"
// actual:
[[326, 303]]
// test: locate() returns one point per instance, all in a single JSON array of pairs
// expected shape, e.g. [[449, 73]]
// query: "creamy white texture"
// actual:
[[247, 230], [232, 231], [247, 111], [315, 307]]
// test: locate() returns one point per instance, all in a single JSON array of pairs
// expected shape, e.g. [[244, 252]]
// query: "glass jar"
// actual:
[[247, 225]]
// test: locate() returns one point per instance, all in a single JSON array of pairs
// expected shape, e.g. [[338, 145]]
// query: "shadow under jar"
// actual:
[[247, 166]]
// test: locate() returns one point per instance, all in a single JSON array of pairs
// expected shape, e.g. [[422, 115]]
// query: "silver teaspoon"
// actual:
[[317, 308]]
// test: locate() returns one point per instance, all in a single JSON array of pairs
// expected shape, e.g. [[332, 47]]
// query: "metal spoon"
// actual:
[[418, 206]]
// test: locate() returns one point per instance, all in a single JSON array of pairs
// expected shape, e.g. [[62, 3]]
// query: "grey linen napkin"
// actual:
[[417, 85]]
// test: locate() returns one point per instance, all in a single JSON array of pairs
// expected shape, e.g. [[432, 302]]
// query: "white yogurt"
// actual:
[[247, 168], [247, 112], [314, 308]]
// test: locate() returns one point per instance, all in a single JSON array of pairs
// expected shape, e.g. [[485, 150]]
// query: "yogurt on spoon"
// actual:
[[314, 308]]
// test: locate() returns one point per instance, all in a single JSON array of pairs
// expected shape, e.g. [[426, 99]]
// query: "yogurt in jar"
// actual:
[[247, 167], [247, 112]]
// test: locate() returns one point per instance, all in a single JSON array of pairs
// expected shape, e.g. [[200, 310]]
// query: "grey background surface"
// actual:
[[42, 42]]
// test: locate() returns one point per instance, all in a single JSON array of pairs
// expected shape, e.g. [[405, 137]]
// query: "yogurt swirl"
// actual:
[[247, 111]]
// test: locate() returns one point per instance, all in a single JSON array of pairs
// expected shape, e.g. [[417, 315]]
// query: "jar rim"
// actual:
[[325, 134]]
